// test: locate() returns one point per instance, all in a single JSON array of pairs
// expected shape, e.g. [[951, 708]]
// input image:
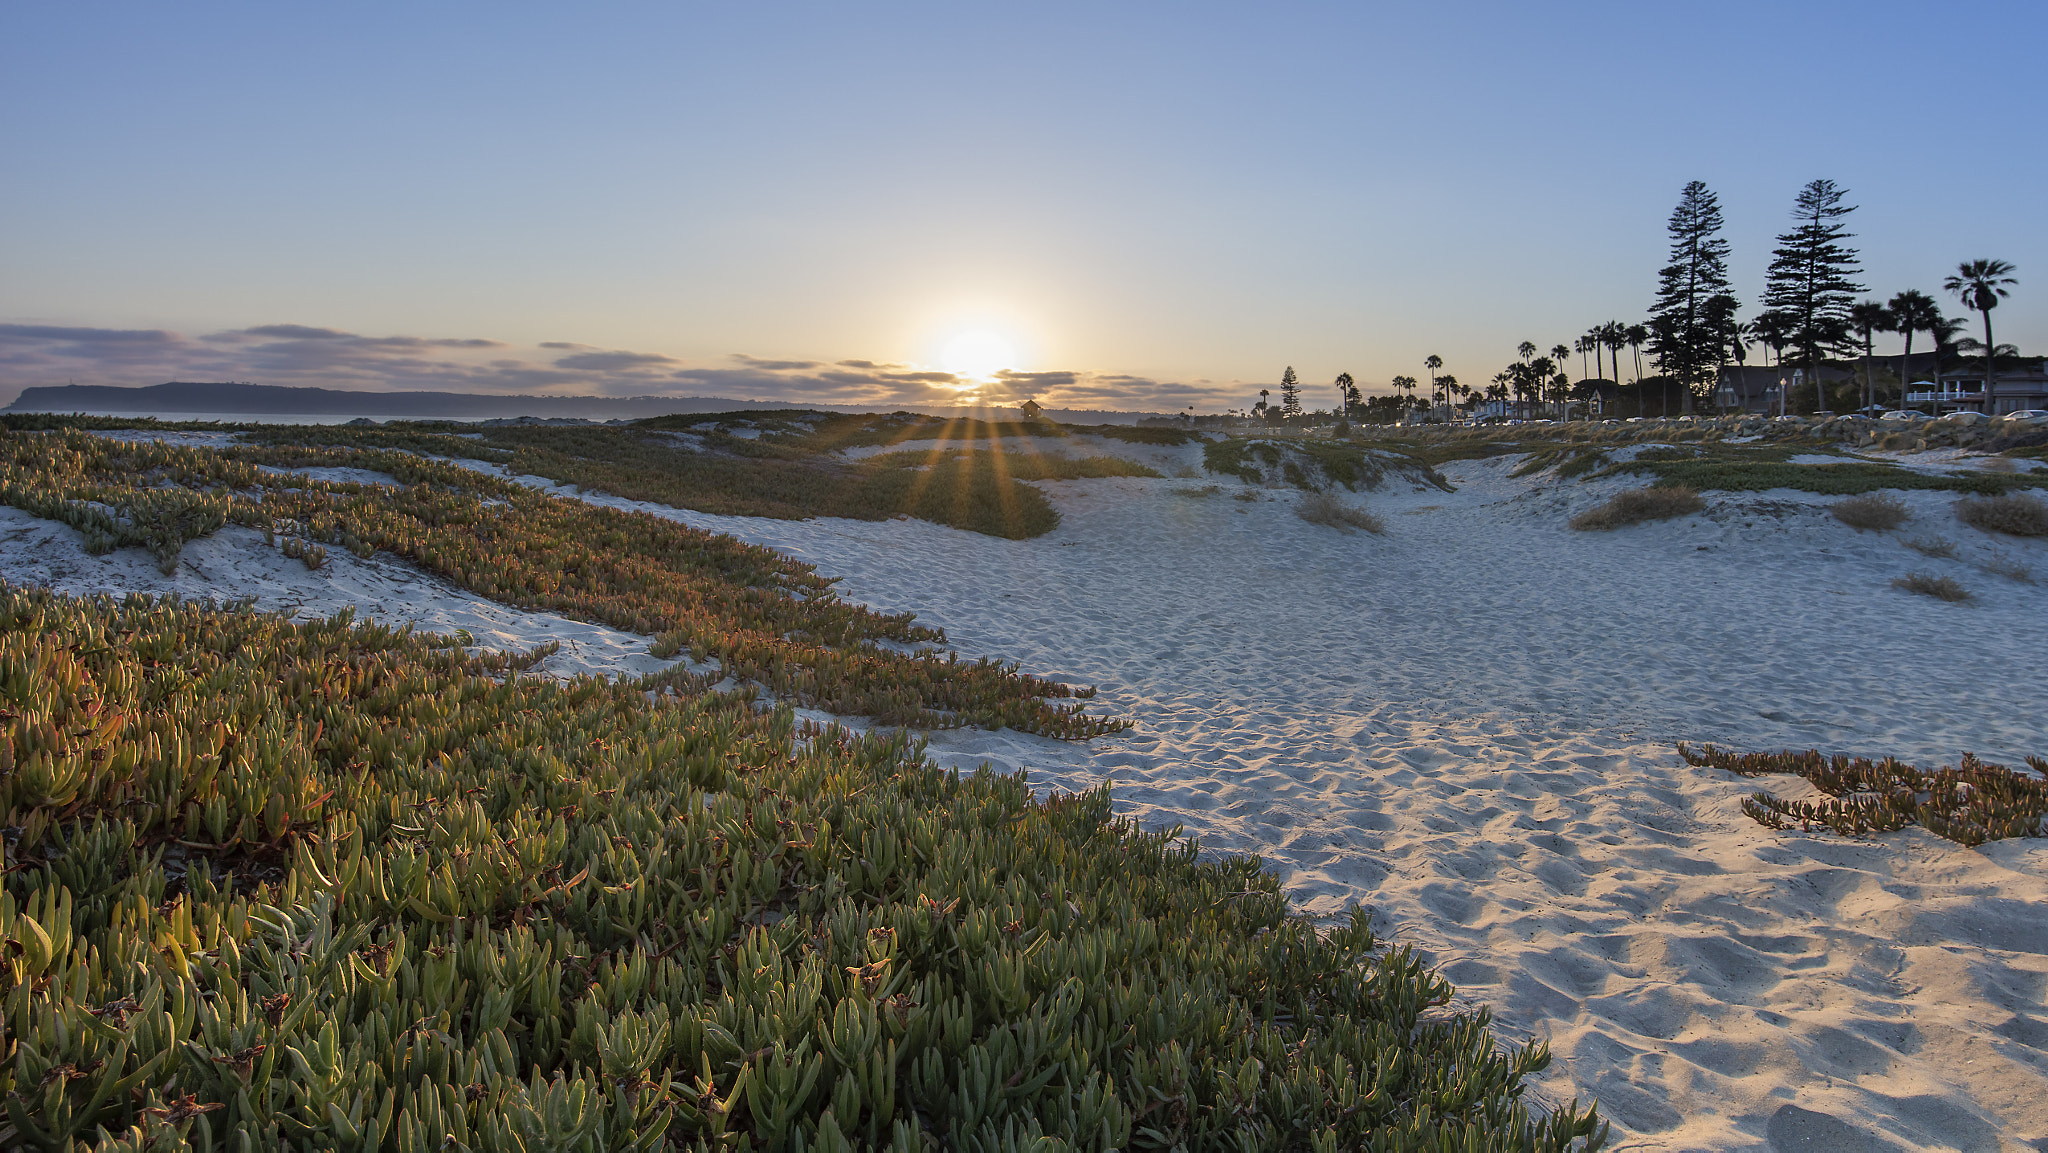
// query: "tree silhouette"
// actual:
[[1979, 284], [1347, 394], [1811, 278], [1636, 335], [1870, 318], [1688, 334], [1614, 335], [1290, 393], [1913, 311], [1406, 384], [1432, 362]]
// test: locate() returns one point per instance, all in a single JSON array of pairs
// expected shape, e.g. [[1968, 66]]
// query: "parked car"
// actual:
[[2028, 414], [1903, 414]]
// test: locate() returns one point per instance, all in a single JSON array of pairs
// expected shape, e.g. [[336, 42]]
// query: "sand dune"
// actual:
[[1467, 725]]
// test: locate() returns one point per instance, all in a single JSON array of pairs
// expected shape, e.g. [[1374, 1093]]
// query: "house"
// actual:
[[2020, 386], [1755, 388]]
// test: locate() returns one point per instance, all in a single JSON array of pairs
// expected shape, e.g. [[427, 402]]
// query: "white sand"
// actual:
[[1466, 725]]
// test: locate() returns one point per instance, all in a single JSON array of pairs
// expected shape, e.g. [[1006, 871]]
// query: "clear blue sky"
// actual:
[[1155, 204]]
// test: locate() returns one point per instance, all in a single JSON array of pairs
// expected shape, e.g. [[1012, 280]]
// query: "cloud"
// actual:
[[1037, 379], [85, 336], [296, 332], [311, 355], [773, 365], [613, 361]]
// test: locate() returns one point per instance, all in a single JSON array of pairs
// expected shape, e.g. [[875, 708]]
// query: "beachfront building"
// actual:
[[2020, 386]]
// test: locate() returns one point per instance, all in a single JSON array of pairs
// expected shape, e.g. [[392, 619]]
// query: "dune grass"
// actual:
[[2012, 513], [1639, 506], [1929, 585], [1325, 509], [1871, 512], [1932, 546]]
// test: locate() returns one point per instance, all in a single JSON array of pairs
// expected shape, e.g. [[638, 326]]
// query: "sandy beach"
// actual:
[[1467, 725]]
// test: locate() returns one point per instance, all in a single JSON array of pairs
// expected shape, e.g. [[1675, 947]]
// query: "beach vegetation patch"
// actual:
[[2012, 568], [1969, 803], [2012, 513], [1927, 584], [1313, 463], [1137, 433], [1871, 511], [761, 616], [1325, 509], [1933, 546], [280, 885], [1638, 506]]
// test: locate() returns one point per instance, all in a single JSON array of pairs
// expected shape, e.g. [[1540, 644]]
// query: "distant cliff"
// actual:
[[181, 397]]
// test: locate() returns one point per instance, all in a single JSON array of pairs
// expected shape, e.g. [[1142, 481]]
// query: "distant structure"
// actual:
[[1030, 409]]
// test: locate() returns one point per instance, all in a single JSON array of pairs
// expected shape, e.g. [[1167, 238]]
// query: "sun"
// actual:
[[978, 354]]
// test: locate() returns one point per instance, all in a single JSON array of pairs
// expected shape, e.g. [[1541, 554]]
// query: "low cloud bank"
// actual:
[[309, 356]]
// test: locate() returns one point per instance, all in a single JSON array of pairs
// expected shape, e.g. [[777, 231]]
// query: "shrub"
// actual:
[[1927, 584], [1322, 508], [1638, 505], [1188, 490], [1970, 803], [2013, 513], [1873, 510], [2002, 563], [1933, 546]]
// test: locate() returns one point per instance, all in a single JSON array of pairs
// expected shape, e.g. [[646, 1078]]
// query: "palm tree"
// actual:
[[1739, 349], [1583, 345], [1432, 362], [1979, 284], [1264, 407], [1944, 331], [1912, 311], [1870, 318], [1637, 336], [1615, 337], [1561, 356], [1406, 384], [1344, 394]]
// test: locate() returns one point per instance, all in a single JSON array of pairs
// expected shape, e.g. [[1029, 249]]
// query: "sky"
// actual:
[[1120, 206]]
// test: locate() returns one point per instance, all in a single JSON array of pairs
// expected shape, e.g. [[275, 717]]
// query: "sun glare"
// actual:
[[978, 355]]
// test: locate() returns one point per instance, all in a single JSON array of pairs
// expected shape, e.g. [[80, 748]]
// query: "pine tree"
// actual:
[[1690, 326], [1290, 393], [1811, 279]]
